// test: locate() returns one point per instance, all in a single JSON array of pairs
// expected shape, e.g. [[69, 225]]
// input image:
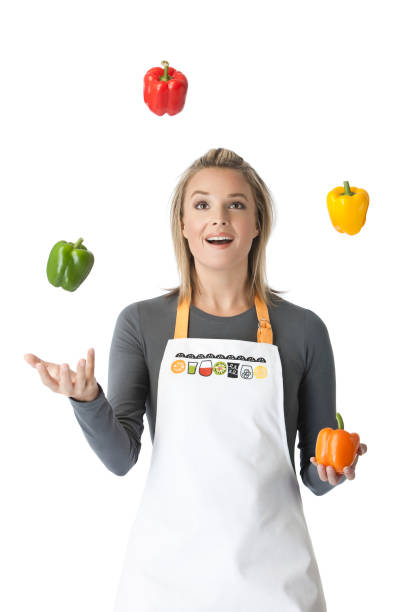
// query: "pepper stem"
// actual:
[[165, 76], [78, 243], [347, 190], [339, 421]]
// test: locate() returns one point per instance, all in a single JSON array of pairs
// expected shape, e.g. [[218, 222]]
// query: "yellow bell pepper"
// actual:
[[348, 208]]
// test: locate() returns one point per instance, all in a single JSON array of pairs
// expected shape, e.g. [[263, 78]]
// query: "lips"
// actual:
[[219, 245]]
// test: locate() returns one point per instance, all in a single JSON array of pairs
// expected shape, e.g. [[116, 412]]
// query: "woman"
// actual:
[[227, 372]]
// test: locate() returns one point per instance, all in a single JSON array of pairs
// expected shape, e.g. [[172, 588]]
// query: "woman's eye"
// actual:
[[204, 202]]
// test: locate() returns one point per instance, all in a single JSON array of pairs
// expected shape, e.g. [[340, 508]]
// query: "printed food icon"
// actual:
[[232, 369], [246, 371], [260, 372], [205, 367], [192, 366], [178, 366], [220, 367]]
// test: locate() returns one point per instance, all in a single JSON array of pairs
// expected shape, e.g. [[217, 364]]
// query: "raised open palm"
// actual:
[[80, 385]]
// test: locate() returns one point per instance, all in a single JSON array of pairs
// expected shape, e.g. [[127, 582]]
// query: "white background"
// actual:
[[311, 94]]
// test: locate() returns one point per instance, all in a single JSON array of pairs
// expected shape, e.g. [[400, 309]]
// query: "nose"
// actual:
[[219, 216]]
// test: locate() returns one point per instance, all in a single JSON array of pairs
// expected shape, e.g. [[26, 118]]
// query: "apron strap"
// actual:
[[264, 333]]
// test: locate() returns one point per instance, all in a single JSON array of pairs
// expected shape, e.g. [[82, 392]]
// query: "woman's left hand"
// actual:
[[330, 474]]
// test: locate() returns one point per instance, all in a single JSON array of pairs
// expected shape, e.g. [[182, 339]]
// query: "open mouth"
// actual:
[[219, 242], [224, 241]]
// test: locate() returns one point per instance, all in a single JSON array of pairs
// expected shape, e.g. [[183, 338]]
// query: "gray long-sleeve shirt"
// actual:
[[113, 425]]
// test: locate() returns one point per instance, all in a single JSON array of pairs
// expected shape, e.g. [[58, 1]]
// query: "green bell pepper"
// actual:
[[69, 264]]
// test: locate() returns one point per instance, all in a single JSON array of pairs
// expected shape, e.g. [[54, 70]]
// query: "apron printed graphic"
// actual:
[[246, 371], [220, 525], [220, 367], [206, 367], [233, 369]]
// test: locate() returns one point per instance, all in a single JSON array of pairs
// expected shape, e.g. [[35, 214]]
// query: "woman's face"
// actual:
[[219, 200]]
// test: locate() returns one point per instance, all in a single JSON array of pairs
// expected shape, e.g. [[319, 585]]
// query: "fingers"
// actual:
[[320, 468], [43, 370], [90, 365], [65, 384], [61, 379], [80, 383], [32, 359], [328, 473], [349, 471], [322, 472], [353, 465], [45, 376], [85, 373], [333, 476]]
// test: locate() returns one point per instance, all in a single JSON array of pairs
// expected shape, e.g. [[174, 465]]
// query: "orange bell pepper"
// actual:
[[348, 208], [336, 447]]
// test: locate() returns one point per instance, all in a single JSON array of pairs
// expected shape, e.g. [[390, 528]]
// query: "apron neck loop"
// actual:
[[264, 333]]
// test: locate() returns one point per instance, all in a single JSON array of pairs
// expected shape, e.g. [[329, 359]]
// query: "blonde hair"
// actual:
[[265, 218]]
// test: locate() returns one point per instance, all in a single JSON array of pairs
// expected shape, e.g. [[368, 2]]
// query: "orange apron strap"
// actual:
[[183, 311], [264, 333]]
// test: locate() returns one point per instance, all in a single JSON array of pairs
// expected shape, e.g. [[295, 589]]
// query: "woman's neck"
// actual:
[[226, 304], [224, 293]]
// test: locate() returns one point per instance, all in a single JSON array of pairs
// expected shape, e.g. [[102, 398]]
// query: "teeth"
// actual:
[[219, 238]]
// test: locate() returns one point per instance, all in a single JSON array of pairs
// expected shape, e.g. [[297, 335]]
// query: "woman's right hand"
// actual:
[[80, 385]]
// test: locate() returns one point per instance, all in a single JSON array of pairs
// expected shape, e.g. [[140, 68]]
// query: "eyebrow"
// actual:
[[230, 195]]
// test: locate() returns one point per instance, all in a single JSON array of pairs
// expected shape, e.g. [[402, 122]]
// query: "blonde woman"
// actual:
[[227, 372]]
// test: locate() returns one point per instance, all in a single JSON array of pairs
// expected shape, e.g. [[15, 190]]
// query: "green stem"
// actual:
[[347, 190], [78, 242], [339, 421], [165, 76]]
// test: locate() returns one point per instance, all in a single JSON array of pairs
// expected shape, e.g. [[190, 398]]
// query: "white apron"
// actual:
[[220, 526]]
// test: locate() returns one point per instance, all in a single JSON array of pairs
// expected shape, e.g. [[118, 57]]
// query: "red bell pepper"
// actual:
[[165, 90]]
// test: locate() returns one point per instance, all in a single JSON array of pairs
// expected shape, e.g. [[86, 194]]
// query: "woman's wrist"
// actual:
[[93, 396]]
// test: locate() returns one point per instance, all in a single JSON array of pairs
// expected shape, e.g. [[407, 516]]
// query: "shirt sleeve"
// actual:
[[317, 399], [113, 425]]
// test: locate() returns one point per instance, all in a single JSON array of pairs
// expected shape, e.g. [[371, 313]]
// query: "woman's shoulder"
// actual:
[[147, 313], [145, 321], [294, 316], [161, 304]]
